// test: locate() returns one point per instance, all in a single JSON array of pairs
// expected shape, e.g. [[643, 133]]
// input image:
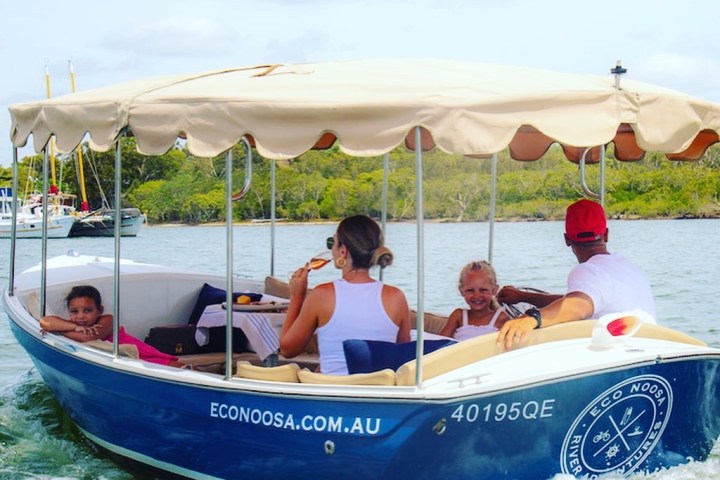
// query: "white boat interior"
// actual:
[[161, 296]]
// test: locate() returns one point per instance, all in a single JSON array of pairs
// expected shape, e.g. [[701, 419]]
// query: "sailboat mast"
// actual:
[[84, 206], [53, 185]]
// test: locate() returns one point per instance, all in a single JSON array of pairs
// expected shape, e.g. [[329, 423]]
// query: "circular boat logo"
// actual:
[[618, 429]]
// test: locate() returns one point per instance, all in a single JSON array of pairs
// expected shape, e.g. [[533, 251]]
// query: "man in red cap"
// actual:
[[601, 283]]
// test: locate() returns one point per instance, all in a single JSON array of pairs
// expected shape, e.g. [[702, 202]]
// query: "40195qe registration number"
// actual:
[[502, 411]]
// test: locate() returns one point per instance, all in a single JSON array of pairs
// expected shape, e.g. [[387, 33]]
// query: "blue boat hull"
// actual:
[[626, 420]]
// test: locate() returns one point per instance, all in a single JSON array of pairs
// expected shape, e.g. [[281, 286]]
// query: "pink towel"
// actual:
[[145, 351]]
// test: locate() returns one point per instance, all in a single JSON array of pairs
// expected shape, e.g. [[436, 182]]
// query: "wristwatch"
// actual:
[[535, 313]]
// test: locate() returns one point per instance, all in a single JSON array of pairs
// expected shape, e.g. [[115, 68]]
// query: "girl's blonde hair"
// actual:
[[478, 266]]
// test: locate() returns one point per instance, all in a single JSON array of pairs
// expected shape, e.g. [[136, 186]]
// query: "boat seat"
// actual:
[[584, 328], [281, 373], [213, 362], [382, 377], [308, 360], [449, 358], [125, 350], [658, 332], [33, 305], [485, 346], [311, 361], [275, 286], [432, 322]]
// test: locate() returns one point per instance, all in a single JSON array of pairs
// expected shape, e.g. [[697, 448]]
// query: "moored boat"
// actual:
[[30, 217], [636, 402], [101, 223]]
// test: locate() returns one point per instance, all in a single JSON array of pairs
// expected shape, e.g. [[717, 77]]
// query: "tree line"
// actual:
[[178, 187]]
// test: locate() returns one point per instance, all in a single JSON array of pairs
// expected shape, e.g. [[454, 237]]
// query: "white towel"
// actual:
[[258, 328], [262, 337]]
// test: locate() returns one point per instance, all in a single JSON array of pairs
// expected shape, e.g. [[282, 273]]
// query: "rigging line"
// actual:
[[91, 164], [62, 169], [30, 168]]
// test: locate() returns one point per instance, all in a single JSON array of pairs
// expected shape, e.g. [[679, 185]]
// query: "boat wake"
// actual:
[[39, 441]]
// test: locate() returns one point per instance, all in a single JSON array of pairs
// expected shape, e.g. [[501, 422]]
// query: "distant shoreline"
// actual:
[[435, 220]]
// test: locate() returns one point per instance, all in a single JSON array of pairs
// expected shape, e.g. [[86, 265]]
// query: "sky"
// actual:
[[675, 44]]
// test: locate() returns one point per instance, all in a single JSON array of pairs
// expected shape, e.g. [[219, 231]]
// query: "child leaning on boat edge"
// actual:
[[478, 286], [354, 306], [88, 322], [601, 282]]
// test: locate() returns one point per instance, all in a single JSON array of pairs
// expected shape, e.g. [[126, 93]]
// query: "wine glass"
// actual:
[[320, 259], [317, 261]]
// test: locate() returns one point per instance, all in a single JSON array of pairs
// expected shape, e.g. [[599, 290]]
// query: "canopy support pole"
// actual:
[[248, 172], [229, 198], [272, 217], [491, 213], [583, 181], [602, 175], [45, 213], [13, 227], [117, 214], [384, 200], [420, 319]]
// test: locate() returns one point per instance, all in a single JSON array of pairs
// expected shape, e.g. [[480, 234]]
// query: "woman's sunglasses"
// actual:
[[330, 242]]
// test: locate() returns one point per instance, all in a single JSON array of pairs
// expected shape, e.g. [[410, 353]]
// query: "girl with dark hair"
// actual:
[[88, 322]]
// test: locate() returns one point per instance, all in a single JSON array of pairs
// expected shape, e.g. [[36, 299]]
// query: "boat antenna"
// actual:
[[618, 71]]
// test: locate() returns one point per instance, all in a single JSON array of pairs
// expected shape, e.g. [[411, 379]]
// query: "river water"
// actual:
[[681, 258]]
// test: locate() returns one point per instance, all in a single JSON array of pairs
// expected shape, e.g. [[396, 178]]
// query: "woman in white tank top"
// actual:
[[354, 307], [478, 286]]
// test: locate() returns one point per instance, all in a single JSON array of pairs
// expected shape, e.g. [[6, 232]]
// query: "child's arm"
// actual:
[[53, 323], [98, 331], [102, 328], [452, 323]]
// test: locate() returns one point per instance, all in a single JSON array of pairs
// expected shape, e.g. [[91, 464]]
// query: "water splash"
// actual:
[[38, 441]]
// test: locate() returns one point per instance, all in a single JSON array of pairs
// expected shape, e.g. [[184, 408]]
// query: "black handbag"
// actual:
[[177, 339]]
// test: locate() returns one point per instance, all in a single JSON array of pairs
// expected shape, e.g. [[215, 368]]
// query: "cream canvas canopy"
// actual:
[[371, 107]]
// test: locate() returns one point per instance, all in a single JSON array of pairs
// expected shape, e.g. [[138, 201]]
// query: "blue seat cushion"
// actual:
[[365, 356], [210, 295]]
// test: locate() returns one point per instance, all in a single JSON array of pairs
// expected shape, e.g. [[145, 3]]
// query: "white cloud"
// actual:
[[175, 37], [696, 75]]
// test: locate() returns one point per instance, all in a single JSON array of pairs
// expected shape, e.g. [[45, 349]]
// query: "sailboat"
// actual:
[[31, 211], [29, 221], [100, 222]]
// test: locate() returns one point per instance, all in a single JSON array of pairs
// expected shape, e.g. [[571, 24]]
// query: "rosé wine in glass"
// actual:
[[319, 260]]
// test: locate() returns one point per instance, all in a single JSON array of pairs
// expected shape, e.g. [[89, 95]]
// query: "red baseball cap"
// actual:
[[585, 221]]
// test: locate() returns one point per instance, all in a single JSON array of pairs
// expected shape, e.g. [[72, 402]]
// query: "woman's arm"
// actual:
[[397, 308], [301, 321], [404, 330]]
